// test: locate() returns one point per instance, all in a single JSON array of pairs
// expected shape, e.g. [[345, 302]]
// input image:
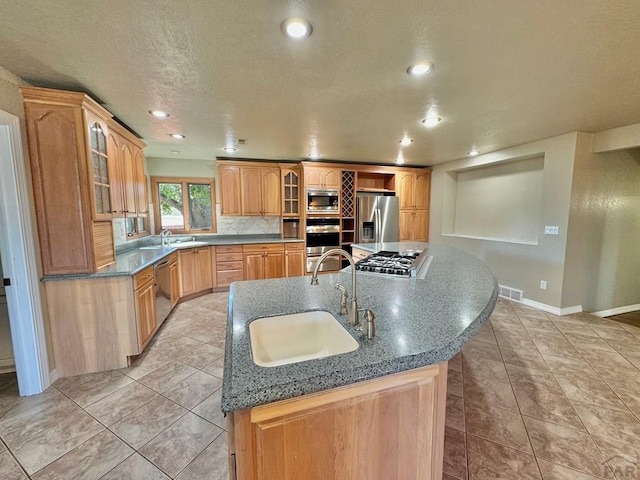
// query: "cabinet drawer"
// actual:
[[294, 246], [173, 257], [263, 247], [232, 265], [226, 277], [228, 257], [228, 249], [140, 278]]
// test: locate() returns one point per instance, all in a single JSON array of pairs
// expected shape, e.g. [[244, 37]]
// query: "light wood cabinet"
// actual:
[[195, 273], [346, 433], [322, 177], [174, 278], [294, 264], [263, 261], [414, 225], [229, 265], [67, 134], [291, 190], [260, 189], [144, 298], [249, 189], [413, 188]]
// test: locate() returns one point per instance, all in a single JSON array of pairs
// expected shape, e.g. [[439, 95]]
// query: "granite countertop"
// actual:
[[138, 256], [418, 323]]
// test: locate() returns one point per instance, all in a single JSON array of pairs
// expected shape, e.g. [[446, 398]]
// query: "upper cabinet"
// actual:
[[322, 177], [72, 179], [249, 189], [290, 177], [413, 188], [129, 188]]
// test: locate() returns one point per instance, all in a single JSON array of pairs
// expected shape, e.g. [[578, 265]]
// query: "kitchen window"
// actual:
[[184, 205]]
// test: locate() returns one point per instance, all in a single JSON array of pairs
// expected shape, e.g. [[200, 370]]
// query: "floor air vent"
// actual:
[[510, 293]]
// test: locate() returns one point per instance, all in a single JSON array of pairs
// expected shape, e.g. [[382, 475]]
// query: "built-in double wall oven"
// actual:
[[322, 234]]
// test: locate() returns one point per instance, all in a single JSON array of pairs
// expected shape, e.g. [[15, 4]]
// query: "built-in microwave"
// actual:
[[323, 201]]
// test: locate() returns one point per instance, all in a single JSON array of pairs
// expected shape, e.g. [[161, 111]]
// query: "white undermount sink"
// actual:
[[298, 337]]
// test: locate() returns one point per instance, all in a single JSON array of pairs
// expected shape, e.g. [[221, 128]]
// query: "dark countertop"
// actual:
[[418, 323], [137, 257]]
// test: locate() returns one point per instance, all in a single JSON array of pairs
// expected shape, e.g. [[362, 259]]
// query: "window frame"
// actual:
[[157, 213]]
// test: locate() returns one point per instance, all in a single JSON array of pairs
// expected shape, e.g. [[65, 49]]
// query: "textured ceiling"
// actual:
[[506, 71]]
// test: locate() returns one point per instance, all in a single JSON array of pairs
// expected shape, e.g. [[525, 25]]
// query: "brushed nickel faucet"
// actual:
[[163, 237], [352, 317]]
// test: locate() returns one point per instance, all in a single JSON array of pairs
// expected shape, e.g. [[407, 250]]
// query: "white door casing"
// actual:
[[17, 251]]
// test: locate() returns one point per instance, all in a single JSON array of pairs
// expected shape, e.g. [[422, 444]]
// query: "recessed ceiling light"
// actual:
[[159, 113], [431, 122], [296, 28], [473, 153], [420, 68], [175, 151], [177, 136], [230, 149], [406, 141]]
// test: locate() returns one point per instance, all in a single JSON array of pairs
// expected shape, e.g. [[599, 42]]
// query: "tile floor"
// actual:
[[531, 396]]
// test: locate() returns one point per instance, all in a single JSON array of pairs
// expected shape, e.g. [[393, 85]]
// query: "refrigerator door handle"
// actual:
[[378, 226]]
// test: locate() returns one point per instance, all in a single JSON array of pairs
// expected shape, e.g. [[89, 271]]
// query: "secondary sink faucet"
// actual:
[[352, 317], [163, 237]]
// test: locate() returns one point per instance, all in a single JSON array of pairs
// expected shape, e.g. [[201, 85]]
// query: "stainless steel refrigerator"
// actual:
[[377, 219]]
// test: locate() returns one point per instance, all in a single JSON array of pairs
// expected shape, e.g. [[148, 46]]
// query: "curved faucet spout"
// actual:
[[352, 318]]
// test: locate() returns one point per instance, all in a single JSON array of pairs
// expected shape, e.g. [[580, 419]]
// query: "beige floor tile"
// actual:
[[622, 458], [135, 467], [9, 469], [485, 335], [474, 367], [216, 368], [177, 347], [455, 413], [211, 464], [193, 390], [455, 453], [167, 376], [148, 421], [90, 460], [613, 424], [209, 409], [178, 445], [86, 393], [49, 445], [543, 405], [533, 379], [483, 392], [568, 366], [454, 383], [146, 364], [588, 343], [590, 390], [203, 356], [482, 350], [491, 461], [564, 446], [21, 404], [551, 471], [557, 345], [22, 426], [122, 402], [611, 359], [613, 332], [523, 357], [455, 363], [497, 425]]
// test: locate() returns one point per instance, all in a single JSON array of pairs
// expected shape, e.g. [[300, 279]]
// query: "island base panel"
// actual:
[[387, 428]]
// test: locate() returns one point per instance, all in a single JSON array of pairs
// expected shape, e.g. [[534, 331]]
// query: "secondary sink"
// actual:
[[298, 337]]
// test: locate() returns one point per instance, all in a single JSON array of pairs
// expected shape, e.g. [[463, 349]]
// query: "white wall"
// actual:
[[517, 265], [6, 349]]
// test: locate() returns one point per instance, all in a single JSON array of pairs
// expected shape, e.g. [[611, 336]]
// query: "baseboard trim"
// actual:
[[53, 376], [552, 309], [617, 310]]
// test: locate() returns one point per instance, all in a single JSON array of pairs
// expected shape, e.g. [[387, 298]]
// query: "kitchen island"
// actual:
[[376, 412]]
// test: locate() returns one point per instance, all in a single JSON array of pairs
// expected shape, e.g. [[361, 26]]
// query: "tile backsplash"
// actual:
[[226, 226]]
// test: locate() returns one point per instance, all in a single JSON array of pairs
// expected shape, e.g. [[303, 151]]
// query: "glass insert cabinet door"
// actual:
[[100, 167], [291, 198]]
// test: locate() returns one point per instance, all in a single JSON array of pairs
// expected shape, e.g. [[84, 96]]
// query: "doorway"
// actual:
[[7, 362], [17, 254]]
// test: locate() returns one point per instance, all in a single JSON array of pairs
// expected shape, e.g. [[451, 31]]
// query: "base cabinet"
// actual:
[[386, 428], [146, 322], [262, 261], [229, 265], [414, 225], [195, 270], [294, 264]]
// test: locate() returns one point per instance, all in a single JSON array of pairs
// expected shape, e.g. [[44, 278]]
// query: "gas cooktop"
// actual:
[[392, 263]]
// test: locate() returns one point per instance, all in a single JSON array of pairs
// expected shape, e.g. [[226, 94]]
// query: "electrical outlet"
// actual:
[[551, 230], [543, 284]]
